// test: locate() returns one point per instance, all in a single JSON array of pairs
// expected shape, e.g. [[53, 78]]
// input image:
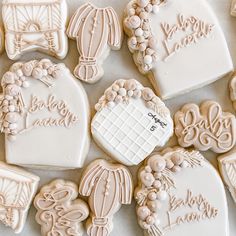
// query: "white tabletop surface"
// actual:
[[122, 66]]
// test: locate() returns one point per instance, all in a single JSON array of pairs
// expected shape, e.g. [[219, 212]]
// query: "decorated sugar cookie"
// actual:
[[130, 122], [96, 30], [59, 211], [41, 108], [35, 25], [108, 186], [173, 41], [205, 127], [173, 199], [1, 40], [227, 166], [232, 87], [17, 190]]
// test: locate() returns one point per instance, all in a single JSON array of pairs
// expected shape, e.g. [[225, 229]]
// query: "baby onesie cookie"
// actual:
[[17, 190], [96, 31], [232, 87], [227, 166], [59, 211], [173, 200], [130, 122], [205, 127], [108, 186], [35, 25], [173, 41], [44, 114]]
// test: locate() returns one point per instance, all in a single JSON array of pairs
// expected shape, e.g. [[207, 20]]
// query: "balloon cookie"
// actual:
[[35, 26], [173, 199], [59, 212], [232, 87], [38, 115], [130, 122], [227, 166], [108, 186], [173, 41], [96, 30], [17, 190], [205, 127]]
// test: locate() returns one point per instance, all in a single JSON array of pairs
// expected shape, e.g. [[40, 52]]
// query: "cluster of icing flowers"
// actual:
[[122, 90], [13, 81], [156, 181], [137, 24]]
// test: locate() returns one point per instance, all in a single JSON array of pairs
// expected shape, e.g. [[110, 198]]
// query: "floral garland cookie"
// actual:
[[36, 109], [173, 41], [172, 198], [130, 122]]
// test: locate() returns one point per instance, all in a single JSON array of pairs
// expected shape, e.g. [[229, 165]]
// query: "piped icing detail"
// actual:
[[59, 211], [13, 82], [137, 25], [121, 91], [156, 184], [108, 186], [17, 189], [205, 127], [96, 30], [232, 88]]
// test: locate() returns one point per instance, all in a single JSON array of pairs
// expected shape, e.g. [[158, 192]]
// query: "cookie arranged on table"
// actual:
[[108, 186], [227, 166], [172, 198], [130, 122], [232, 87], [96, 30], [173, 41], [35, 25], [59, 211], [205, 127], [1, 40], [17, 190], [41, 108]]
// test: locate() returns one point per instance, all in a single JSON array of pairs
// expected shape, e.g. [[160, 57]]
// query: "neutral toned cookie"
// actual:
[[233, 8], [232, 87], [96, 30], [1, 40], [173, 41], [107, 186], [59, 211], [205, 127], [17, 190], [42, 107], [35, 26], [227, 166], [174, 199], [130, 122]]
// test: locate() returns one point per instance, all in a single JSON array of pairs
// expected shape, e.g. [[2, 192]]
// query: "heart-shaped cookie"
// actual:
[[173, 41], [180, 193]]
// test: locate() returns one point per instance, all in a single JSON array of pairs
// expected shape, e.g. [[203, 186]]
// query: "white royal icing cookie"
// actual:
[[176, 44], [130, 122], [17, 190], [96, 30], [227, 166], [44, 114], [35, 25], [180, 193]]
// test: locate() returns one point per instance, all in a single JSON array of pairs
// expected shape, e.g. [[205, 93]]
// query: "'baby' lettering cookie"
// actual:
[[130, 122], [59, 211], [43, 107], [173, 41], [35, 25], [108, 186], [96, 30], [207, 127], [17, 190], [227, 166], [173, 199]]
